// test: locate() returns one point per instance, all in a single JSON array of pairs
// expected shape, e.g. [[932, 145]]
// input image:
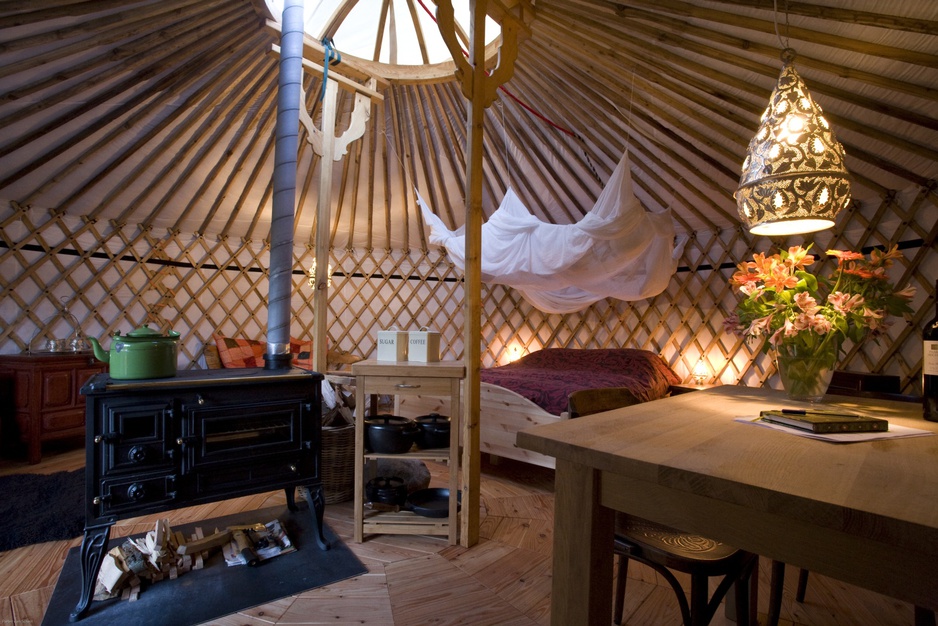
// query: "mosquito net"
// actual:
[[618, 250]]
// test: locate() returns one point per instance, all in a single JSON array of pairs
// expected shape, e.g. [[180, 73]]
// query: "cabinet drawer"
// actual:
[[134, 493], [134, 435], [63, 420], [57, 389], [403, 385]]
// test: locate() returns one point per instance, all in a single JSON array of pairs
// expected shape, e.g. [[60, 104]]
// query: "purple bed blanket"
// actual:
[[548, 376]]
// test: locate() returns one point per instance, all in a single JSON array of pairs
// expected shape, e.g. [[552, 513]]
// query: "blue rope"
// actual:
[[332, 57]]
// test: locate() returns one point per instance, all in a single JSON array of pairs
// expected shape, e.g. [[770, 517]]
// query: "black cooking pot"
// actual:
[[387, 490], [390, 434], [434, 431]]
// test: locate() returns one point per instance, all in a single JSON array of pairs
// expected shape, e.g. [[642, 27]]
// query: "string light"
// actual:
[[311, 275]]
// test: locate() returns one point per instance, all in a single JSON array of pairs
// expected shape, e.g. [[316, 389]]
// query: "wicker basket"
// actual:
[[338, 458]]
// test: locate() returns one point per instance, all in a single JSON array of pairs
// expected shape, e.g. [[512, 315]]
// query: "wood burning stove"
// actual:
[[201, 436]]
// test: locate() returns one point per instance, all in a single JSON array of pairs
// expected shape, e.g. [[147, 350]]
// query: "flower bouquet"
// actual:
[[806, 318]]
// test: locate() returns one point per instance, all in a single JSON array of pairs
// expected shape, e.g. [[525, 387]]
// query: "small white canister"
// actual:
[[423, 345], [392, 345]]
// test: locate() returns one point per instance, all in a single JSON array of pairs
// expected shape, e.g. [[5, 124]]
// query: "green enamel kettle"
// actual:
[[141, 353]]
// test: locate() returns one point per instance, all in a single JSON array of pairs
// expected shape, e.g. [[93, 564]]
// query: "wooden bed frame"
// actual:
[[502, 414]]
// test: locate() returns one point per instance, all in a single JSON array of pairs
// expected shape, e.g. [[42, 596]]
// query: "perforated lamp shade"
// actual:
[[794, 179]]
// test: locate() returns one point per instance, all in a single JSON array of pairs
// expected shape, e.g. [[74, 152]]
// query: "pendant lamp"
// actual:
[[794, 179]]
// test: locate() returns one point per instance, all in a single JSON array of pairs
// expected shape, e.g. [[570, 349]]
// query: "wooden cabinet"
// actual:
[[45, 396], [397, 379]]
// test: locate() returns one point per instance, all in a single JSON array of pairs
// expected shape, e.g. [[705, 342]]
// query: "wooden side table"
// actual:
[[437, 379], [45, 396]]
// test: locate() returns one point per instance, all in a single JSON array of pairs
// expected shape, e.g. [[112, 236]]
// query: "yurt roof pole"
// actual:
[[480, 88], [284, 198]]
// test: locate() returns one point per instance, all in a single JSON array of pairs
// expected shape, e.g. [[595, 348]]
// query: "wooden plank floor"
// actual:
[[412, 580]]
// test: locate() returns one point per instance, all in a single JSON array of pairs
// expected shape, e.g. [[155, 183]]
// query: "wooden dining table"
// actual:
[[865, 513]]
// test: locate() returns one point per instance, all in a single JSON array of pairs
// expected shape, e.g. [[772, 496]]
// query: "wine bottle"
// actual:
[[930, 366]]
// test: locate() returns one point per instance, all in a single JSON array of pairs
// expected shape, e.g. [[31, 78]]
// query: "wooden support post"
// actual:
[[323, 215], [481, 90], [472, 308]]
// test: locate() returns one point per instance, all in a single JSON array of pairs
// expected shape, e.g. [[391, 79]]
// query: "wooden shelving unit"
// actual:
[[397, 379]]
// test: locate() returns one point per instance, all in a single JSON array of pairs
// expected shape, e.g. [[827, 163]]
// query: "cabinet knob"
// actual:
[[403, 386], [136, 492], [293, 467], [182, 441], [137, 454], [200, 399]]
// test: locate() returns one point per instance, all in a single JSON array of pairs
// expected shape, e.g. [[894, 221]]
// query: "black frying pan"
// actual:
[[433, 502]]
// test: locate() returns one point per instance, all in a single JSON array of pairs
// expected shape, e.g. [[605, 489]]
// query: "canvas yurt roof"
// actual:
[[137, 153]]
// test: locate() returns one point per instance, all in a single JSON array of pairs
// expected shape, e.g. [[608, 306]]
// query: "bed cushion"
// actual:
[[547, 377], [239, 352]]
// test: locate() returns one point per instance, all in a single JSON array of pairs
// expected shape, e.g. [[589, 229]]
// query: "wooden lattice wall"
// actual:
[[114, 279]]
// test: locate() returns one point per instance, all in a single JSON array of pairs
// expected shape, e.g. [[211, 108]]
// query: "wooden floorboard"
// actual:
[[411, 580]]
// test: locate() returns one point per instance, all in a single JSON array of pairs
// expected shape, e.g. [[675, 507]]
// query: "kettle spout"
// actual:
[[99, 352]]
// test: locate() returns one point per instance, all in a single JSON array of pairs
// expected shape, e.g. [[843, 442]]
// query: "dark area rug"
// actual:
[[36, 508], [201, 595]]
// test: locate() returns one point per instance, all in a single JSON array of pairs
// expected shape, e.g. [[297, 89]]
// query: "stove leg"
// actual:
[[317, 507], [92, 551]]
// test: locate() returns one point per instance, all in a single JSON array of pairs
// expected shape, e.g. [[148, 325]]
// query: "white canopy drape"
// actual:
[[617, 250]]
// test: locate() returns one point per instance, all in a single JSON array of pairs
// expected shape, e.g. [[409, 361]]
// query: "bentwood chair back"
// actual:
[[664, 549]]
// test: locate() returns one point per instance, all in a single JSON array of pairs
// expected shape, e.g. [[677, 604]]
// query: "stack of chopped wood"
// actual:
[[163, 553], [160, 554]]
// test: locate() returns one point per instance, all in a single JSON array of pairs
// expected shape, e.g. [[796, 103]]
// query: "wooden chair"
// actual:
[[843, 383], [665, 549]]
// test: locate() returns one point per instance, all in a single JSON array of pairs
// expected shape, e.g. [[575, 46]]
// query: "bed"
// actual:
[[533, 390]]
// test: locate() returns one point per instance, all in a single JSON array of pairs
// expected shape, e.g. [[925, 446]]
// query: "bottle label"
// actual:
[[930, 358]]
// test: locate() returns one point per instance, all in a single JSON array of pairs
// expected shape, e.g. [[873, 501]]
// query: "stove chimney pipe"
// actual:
[[284, 198]]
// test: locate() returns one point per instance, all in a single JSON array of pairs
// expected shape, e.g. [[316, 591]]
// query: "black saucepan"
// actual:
[[390, 434], [434, 431], [387, 490]]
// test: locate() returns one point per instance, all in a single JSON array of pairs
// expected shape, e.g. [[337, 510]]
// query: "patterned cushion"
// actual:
[[236, 352], [302, 352]]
